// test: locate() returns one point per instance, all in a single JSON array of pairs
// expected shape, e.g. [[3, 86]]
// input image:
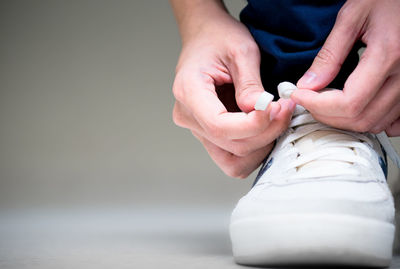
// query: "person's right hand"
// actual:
[[220, 52]]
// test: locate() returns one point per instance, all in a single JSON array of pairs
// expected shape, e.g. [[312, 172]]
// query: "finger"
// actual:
[[387, 122], [372, 118], [231, 165], [337, 46], [244, 66], [384, 108], [362, 124], [183, 118], [360, 88], [394, 128], [201, 99], [315, 102], [243, 147]]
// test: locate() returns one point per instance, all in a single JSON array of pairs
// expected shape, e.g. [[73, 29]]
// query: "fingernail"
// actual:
[[307, 79], [292, 105], [274, 111]]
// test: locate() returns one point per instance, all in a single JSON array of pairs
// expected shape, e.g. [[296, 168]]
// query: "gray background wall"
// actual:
[[85, 109]]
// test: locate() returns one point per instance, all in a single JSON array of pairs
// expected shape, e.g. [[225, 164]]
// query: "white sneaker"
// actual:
[[321, 198]]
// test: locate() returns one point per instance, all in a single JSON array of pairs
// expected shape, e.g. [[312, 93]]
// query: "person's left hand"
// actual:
[[370, 100]]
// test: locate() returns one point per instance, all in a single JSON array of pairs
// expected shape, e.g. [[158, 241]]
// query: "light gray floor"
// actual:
[[116, 238]]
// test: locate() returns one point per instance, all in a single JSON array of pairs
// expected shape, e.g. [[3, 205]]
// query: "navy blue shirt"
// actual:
[[289, 34]]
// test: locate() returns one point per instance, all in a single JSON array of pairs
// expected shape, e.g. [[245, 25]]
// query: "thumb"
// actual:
[[333, 53], [245, 72]]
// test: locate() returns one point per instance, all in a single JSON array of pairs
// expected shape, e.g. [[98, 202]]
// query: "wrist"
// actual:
[[193, 16]]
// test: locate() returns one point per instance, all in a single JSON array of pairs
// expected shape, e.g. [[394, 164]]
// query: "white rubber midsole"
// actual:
[[312, 239]]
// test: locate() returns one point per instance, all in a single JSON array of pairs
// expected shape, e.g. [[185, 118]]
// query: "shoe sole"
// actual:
[[299, 239]]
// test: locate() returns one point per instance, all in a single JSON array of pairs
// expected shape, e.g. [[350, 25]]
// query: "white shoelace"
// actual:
[[305, 124], [388, 147], [336, 145]]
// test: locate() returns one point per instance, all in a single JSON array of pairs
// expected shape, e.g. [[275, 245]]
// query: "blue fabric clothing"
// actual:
[[289, 34]]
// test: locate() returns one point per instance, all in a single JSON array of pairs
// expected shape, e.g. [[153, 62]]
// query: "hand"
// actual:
[[370, 100], [221, 52]]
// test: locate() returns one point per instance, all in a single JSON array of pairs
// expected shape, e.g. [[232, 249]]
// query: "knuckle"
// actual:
[[251, 48], [247, 87], [393, 52], [235, 171], [214, 130], [244, 49], [391, 131], [180, 85], [352, 111], [249, 84], [177, 90], [233, 166], [353, 108], [326, 56], [363, 125], [350, 17], [177, 117], [346, 12]]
